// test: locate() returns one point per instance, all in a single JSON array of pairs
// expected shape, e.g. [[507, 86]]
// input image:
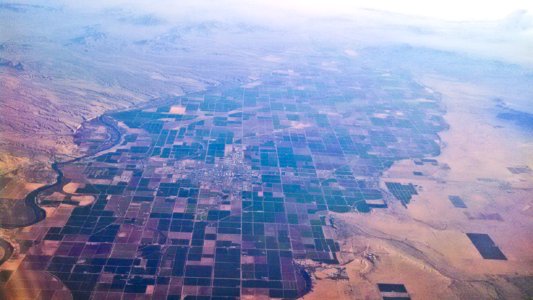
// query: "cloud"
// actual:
[[494, 29], [451, 10]]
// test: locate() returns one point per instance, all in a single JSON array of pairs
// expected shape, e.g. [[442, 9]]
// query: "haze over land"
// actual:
[[353, 104]]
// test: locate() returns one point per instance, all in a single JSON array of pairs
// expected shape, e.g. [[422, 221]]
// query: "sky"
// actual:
[[500, 29], [450, 10]]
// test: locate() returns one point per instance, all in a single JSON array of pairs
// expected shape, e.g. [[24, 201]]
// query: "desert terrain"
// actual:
[[424, 245]]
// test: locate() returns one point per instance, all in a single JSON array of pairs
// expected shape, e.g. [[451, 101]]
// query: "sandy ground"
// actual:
[[30, 284], [84, 200], [177, 110], [10, 162], [425, 246], [18, 189], [71, 187]]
